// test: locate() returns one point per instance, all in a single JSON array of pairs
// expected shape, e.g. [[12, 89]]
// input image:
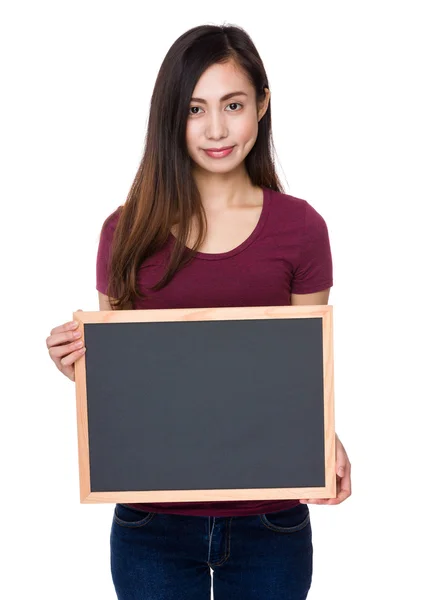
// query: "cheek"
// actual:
[[248, 136], [247, 130], [192, 135]]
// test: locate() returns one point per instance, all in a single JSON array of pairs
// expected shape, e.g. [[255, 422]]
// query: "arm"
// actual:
[[343, 465], [306, 299], [105, 305]]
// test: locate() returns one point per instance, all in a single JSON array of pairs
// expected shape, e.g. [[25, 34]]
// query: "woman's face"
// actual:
[[217, 122]]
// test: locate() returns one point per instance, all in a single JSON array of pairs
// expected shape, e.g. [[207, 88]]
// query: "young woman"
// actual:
[[207, 223]]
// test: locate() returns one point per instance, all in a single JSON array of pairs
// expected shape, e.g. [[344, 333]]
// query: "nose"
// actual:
[[216, 126]]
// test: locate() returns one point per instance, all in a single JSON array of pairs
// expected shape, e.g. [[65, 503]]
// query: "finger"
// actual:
[[68, 334], [345, 485], [65, 326], [66, 363], [324, 501], [341, 464], [71, 358], [69, 326], [343, 489], [329, 501], [57, 353], [67, 371]]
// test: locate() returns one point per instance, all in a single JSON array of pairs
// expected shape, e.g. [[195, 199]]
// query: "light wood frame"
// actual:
[[209, 314]]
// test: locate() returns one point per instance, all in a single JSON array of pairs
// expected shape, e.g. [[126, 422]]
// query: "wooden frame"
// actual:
[[325, 312]]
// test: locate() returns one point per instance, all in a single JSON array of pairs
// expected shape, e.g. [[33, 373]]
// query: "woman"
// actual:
[[207, 223]]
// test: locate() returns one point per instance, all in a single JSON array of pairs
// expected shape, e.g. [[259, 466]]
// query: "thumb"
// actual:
[[340, 469]]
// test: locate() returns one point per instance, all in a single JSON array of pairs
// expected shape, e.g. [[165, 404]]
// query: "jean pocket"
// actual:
[[288, 520], [130, 517]]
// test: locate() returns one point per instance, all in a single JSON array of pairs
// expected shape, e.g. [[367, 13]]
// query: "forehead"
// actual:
[[220, 79]]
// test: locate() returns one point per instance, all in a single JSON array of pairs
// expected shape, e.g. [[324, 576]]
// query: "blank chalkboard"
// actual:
[[206, 404]]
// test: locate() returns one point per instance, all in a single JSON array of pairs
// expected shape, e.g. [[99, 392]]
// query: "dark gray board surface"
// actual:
[[231, 404]]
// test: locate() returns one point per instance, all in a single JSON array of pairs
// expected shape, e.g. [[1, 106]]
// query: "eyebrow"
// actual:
[[225, 97]]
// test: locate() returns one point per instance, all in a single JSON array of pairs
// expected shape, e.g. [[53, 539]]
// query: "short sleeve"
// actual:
[[104, 252], [314, 270]]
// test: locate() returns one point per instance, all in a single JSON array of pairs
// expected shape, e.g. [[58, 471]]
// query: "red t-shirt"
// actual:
[[287, 252]]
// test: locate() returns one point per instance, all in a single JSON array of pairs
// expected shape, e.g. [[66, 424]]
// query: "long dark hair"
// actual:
[[164, 192]]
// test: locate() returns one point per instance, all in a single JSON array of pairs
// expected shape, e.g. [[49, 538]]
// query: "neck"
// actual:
[[219, 191]]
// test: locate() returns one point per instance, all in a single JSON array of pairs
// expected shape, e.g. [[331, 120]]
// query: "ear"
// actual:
[[263, 104]]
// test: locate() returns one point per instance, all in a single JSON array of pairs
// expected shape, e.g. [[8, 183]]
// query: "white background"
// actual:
[[348, 113]]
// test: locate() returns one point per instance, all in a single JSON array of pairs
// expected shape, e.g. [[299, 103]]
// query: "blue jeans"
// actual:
[[157, 556]]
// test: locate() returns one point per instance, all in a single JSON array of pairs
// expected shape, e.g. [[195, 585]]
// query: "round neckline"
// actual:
[[247, 242]]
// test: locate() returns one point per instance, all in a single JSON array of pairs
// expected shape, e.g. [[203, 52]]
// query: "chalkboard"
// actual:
[[184, 405]]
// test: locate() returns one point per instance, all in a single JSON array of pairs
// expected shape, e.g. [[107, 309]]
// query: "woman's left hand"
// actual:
[[343, 477]]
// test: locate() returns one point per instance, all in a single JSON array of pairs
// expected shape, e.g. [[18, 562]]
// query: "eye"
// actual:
[[199, 108], [234, 104], [192, 108]]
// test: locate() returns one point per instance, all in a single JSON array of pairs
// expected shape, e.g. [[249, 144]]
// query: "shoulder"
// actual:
[[295, 210], [110, 223], [291, 205]]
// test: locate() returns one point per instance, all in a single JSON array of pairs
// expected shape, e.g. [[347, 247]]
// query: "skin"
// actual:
[[65, 347], [223, 184], [228, 197], [343, 479]]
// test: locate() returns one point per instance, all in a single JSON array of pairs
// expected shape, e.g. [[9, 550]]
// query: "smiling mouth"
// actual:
[[219, 153], [219, 149]]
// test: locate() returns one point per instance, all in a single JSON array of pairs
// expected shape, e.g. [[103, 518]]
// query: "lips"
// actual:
[[219, 153], [218, 149]]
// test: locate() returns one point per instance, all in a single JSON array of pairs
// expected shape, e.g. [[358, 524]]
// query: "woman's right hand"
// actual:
[[65, 347]]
